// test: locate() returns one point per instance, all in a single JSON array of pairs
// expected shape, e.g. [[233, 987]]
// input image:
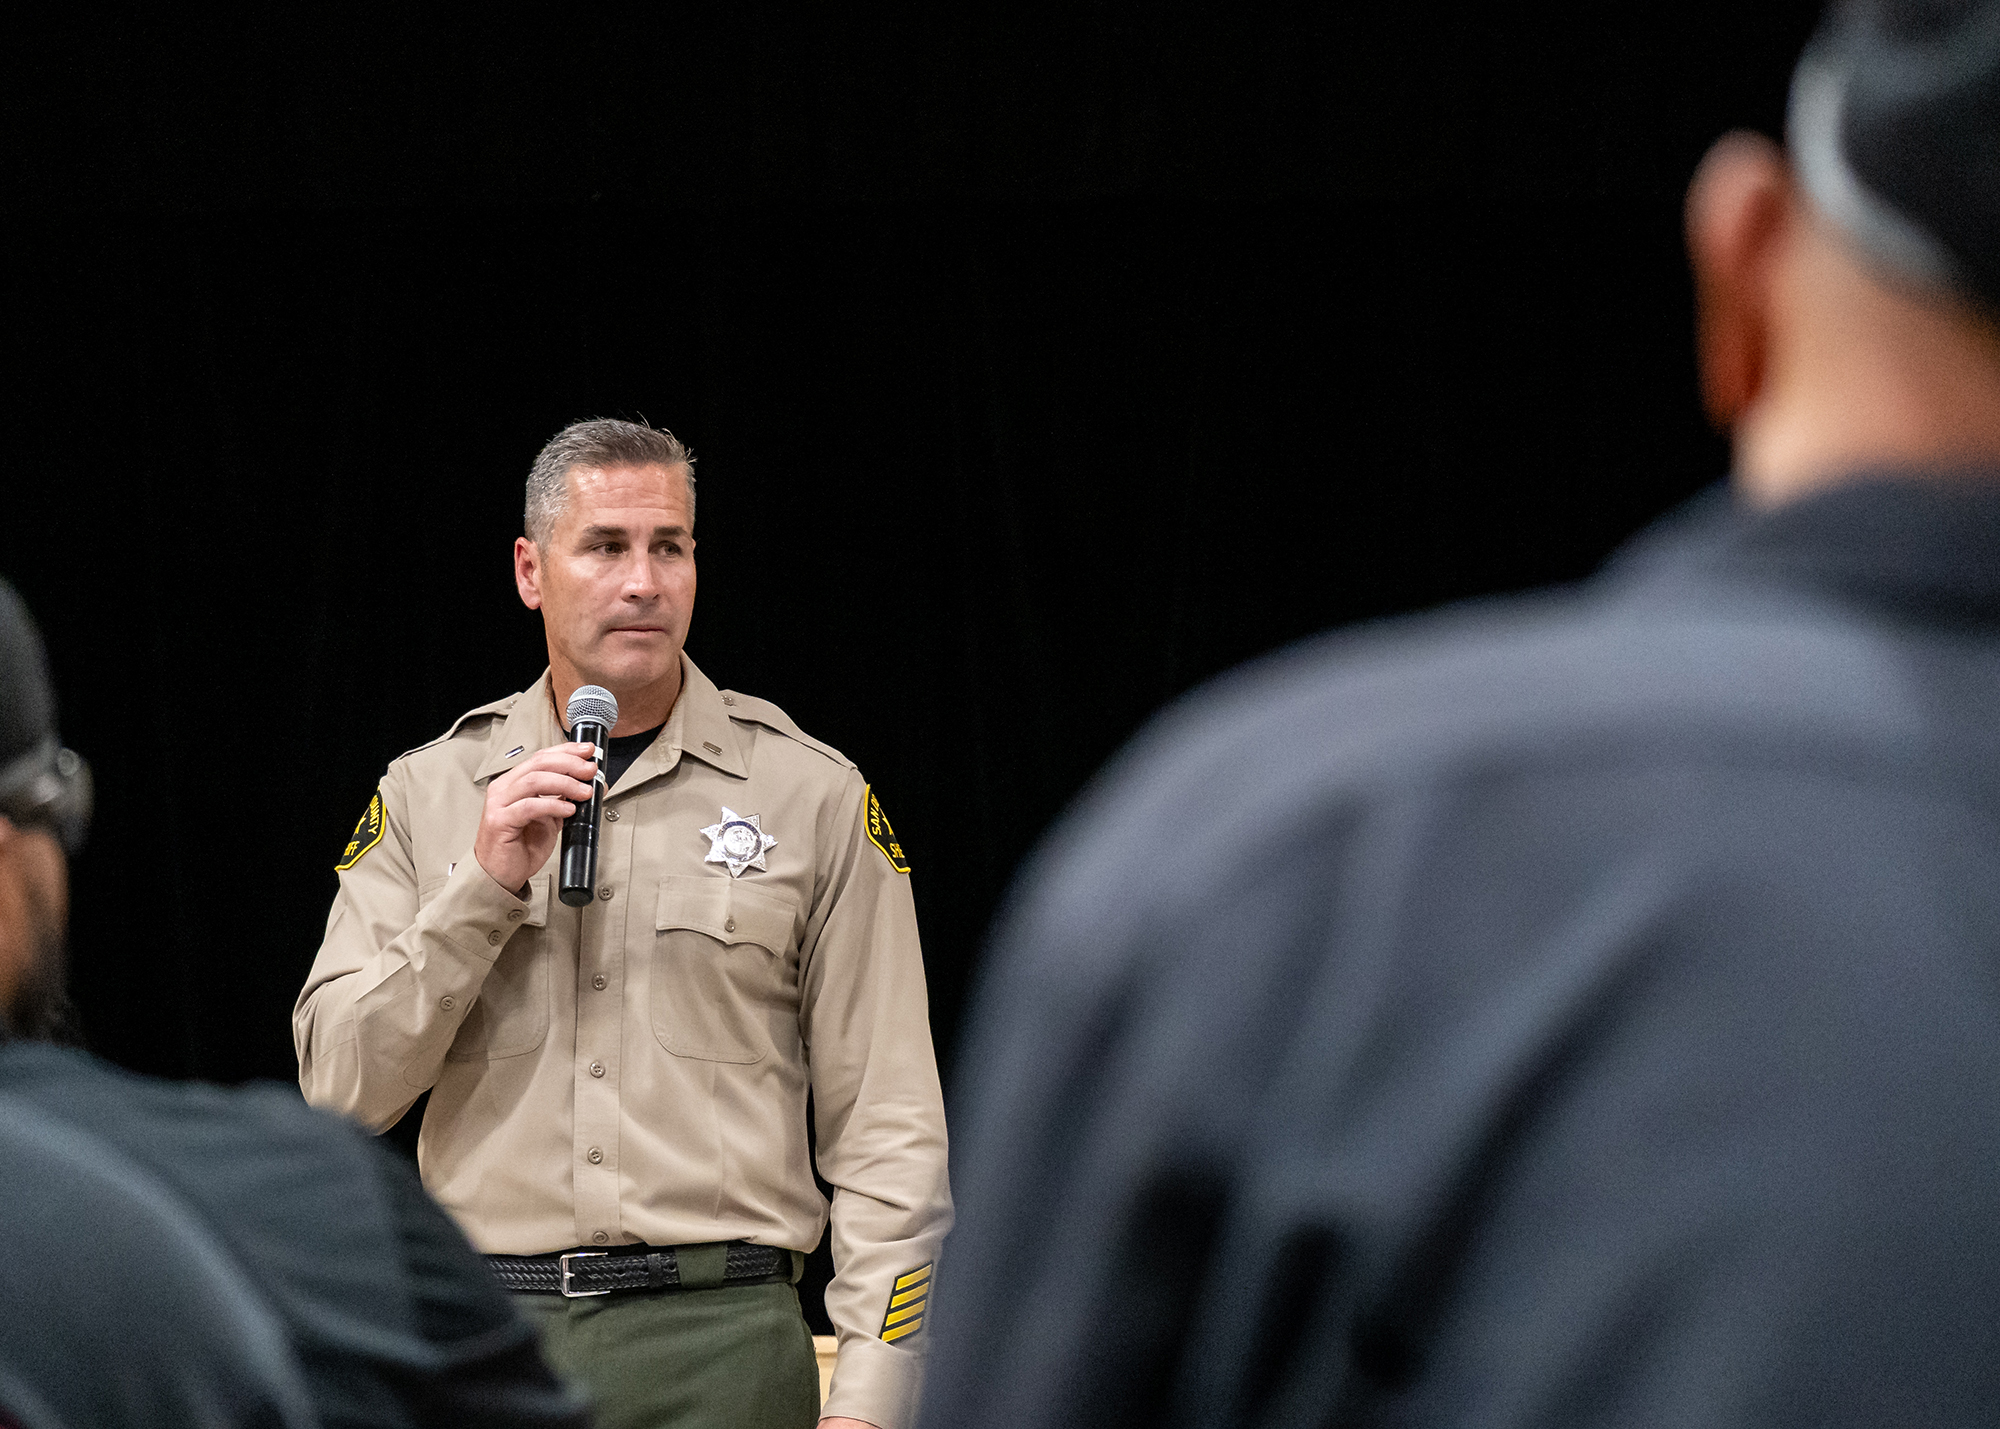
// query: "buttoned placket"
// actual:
[[599, 1046]]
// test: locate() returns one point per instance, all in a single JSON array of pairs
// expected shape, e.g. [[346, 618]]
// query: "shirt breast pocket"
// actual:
[[511, 1014], [724, 981]]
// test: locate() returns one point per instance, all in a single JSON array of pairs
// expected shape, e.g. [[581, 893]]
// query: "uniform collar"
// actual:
[[530, 725], [699, 726], [1914, 546]]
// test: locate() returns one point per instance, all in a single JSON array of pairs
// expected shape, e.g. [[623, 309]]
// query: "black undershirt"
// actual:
[[621, 750]]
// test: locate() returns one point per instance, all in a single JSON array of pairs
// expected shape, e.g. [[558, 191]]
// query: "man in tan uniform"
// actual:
[[618, 1091]]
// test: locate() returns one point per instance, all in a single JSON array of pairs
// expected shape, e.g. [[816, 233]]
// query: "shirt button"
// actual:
[[611, 815], [605, 893], [514, 915], [493, 938], [600, 1237], [598, 982], [596, 1069], [728, 925], [595, 1157], [447, 1002]]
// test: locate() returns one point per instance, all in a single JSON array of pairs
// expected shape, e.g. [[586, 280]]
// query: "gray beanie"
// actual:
[[27, 703], [1894, 128]]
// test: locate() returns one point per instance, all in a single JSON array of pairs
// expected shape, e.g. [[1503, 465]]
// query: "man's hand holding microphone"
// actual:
[[555, 794]]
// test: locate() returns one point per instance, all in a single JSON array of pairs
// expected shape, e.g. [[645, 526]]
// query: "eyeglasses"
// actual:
[[49, 786]]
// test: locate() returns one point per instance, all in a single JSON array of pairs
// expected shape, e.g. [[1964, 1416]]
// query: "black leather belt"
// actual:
[[640, 1267]]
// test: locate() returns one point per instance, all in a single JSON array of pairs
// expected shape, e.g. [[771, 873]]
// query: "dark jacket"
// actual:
[[393, 1317], [116, 1307], [1574, 1010]]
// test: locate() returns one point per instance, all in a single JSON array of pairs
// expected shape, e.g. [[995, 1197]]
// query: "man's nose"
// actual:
[[641, 581]]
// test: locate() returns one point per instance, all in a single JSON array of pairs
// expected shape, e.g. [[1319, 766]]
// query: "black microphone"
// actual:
[[593, 714]]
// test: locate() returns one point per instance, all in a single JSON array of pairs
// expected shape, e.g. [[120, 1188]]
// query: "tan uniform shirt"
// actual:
[[636, 1070]]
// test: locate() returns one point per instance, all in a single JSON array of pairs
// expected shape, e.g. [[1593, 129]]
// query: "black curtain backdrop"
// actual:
[[1040, 366]]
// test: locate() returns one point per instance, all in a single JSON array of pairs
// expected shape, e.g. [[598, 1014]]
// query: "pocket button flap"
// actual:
[[727, 912]]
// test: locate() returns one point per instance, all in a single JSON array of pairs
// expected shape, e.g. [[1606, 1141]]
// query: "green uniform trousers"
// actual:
[[732, 1357]]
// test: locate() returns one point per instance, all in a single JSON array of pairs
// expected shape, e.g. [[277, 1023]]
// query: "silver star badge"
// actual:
[[739, 841]]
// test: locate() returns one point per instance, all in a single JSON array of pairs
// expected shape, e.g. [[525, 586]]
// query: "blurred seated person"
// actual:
[[388, 1314], [1580, 1010], [145, 1320]]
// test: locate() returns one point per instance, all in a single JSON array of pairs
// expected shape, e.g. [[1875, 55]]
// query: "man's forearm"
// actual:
[[372, 1038]]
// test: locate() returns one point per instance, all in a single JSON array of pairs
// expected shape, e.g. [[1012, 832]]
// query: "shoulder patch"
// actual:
[[367, 834], [907, 1300], [756, 711], [881, 835]]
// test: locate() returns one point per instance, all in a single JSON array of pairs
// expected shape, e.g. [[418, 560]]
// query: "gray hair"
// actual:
[[596, 445]]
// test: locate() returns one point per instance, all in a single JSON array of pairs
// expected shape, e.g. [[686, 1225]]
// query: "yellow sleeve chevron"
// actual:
[[907, 1303]]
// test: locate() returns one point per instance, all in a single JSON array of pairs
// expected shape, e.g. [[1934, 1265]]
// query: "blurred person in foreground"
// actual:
[[84, 1341], [188, 1254], [1582, 1009]]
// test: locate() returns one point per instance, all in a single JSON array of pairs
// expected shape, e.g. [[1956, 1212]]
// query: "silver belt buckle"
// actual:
[[563, 1268]]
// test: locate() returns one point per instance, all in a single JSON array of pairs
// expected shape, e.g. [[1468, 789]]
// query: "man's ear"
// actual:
[[1739, 210], [16, 946], [528, 572]]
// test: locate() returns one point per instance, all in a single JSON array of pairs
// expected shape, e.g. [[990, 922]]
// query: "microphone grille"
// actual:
[[594, 703]]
